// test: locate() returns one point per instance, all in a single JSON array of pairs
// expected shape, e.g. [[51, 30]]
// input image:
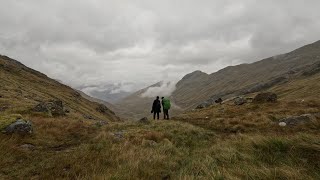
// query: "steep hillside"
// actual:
[[23, 88], [246, 78]]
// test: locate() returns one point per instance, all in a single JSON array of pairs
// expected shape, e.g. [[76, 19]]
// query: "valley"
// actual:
[[67, 134]]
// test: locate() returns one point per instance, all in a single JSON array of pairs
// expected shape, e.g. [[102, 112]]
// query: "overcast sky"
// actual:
[[94, 42]]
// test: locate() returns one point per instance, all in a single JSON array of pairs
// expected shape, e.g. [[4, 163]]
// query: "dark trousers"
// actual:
[[156, 113], [166, 113]]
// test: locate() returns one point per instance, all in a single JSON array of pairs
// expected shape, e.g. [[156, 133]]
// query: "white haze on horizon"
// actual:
[[165, 89]]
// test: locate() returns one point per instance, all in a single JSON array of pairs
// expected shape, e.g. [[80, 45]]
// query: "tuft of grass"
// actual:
[[6, 120]]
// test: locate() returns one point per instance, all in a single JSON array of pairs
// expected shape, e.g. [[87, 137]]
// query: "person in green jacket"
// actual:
[[166, 105]]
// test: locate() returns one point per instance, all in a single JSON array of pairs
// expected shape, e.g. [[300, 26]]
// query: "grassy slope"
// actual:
[[23, 88], [66, 149]]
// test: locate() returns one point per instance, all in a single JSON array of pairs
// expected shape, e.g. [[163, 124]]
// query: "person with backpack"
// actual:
[[156, 108], [166, 105]]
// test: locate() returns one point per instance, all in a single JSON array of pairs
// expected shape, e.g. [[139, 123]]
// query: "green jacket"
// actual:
[[166, 104]]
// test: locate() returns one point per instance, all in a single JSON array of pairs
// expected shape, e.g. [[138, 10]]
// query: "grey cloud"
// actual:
[[100, 42]]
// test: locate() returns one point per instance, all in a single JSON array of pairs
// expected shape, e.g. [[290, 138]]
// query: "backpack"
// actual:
[[166, 104]]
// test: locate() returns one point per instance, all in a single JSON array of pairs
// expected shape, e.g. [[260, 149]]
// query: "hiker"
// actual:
[[156, 108], [166, 105]]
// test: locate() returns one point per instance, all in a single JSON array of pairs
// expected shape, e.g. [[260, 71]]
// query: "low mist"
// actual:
[[165, 89]]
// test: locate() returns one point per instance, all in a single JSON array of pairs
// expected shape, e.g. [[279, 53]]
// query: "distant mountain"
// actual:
[[198, 87], [23, 88]]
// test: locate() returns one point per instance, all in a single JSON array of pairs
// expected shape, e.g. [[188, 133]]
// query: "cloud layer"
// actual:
[[165, 89], [98, 42]]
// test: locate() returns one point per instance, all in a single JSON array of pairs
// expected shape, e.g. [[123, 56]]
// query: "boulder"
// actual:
[[54, 108], [265, 97], [20, 127], [218, 101], [118, 135], [296, 120], [101, 123], [239, 101], [144, 120], [27, 147], [203, 105], [87, 116]]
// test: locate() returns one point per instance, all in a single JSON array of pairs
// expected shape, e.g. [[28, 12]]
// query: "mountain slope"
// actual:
[[198, 87], [246, 78], [23, 88]]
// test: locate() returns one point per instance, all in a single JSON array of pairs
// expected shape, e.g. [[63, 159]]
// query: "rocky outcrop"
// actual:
[[88, 116], [265, 97], [312, 70], [144, 120], [53, 108], [28, 147], [296, 120], [239, 101], [101, 123], [263, 86], [203, 105], [218, 101], [20, 127]]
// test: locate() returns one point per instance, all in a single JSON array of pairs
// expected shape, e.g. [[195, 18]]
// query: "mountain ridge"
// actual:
[[198, 87]]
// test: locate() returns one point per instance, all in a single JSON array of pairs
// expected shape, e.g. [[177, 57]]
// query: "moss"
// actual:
[[6, 120]]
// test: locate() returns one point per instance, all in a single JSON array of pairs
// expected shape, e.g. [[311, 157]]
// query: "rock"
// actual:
[[203, 105], [249, 100], [218, 101], [20, 127], [66, 110], [101, 123], [144, 120], [54, 108], [27, 147], [296, 120], [1, 96], [265, 97], [76, 94], [282, 124], [87, 116], [104, 110], [239, 101], [119, 135]]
